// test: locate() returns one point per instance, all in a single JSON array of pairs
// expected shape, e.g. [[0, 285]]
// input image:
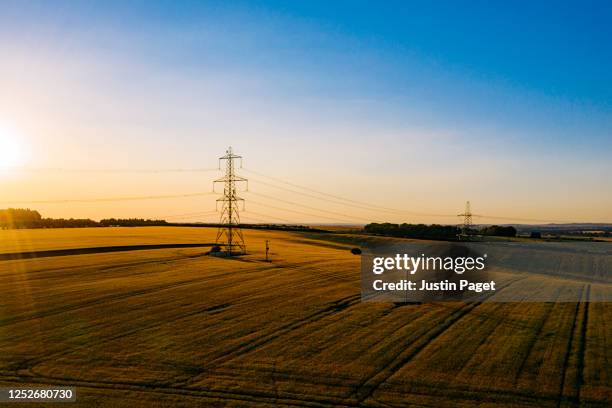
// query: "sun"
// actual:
[[10, 152]]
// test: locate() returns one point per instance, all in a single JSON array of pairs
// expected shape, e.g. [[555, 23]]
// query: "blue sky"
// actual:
[[426, 104]]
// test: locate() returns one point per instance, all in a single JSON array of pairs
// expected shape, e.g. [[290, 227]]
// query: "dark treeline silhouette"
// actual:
[[276, 227], [499, 231], [16, 218], [19, 218], [66, 223], [13, 218], [433, 231], [130, 222]]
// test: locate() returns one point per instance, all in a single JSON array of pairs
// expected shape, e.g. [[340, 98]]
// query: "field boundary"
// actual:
[[94, 250]]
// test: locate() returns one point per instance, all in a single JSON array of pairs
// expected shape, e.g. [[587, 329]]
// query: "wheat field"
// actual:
[[176, 327]]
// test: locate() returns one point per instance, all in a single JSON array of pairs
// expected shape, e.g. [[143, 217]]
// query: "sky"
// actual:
[[411, 107]]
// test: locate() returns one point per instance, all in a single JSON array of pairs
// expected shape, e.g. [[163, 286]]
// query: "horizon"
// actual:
[[401, 112], [292, 224]]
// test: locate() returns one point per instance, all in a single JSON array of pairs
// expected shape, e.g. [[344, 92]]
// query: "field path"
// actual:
[[95, 250]]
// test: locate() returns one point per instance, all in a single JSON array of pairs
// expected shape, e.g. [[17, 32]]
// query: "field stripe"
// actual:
[[561, 399], [334, 307], [235, 395], [252, 275], [583, 340], [367, 388], [125, 295], [11, 256], [534, 339]]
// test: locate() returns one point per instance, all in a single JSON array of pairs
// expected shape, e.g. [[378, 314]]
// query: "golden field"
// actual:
[[170, 327]]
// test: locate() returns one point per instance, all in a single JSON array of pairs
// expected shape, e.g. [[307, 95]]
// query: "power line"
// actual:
[[81, 170], [188, 215], [338, 202], [369, 206], [95, 200], [387, 209], [320, 195], [250, 219], [308, 207], [495, 217], [269, 216], [298, 212], [310, 195]]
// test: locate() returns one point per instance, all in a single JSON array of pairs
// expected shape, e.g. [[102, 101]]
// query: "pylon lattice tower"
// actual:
[[229, 235], [467, 219]]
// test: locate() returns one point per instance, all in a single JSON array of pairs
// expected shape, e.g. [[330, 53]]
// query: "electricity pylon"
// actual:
[[229, 234], [467, 219]]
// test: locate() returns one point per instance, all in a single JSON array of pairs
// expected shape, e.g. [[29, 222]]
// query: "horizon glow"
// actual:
[[394, 104]]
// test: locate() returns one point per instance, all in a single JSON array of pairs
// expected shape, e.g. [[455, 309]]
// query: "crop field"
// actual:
[[172, 326]]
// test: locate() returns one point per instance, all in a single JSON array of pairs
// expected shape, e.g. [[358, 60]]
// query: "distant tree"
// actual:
[[500, 231], [67, 223], [433, 231], [26, 218], [535, 234], [19, 218], [130, 222]]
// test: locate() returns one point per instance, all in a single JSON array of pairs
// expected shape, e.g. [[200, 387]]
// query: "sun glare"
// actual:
[[10, 152]]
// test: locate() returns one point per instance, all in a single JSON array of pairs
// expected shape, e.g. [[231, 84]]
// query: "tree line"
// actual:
[[499, 231], [17, 218], [434, 231]]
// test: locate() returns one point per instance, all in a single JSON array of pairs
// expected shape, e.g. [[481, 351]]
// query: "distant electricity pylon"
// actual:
[[229, 235], [467, 219]]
